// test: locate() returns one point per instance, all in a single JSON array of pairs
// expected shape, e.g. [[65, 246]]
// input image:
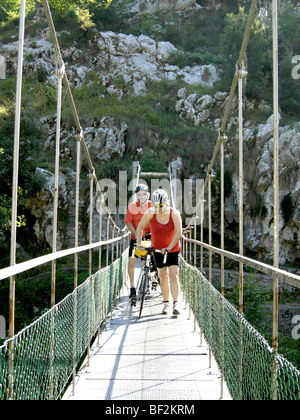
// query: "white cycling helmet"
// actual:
[[159, 197], [141, 187]]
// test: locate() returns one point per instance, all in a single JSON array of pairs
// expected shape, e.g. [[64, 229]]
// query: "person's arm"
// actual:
[[143, 223], [178, 229], [131, 228]]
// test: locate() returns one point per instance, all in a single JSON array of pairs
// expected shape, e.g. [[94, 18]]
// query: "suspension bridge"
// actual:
[[90, 327]]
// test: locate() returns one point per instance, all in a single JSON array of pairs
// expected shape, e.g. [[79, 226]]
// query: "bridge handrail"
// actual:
[[35, 262], [283, 275]]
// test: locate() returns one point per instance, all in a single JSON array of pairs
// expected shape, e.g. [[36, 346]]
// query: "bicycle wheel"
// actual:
[[143, 290]]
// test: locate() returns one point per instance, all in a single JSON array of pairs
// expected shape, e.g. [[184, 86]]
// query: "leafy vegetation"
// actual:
[[259, 56], [257, 53]]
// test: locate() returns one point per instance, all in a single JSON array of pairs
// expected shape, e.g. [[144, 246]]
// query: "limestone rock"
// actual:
[[119, 55]]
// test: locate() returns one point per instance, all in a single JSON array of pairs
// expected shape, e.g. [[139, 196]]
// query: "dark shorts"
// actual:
[[132, 244], [172, 259]]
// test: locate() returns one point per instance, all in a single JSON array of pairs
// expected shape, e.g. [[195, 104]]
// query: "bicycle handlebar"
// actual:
[[149, 250]]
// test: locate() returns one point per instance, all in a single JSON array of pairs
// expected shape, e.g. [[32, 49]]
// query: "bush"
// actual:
[[287, 208], [289, 46], [254, 300], [41, 74]]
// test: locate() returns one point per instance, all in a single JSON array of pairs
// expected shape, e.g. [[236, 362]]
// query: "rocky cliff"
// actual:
[[110, 55], [258, 182], [154, 6]]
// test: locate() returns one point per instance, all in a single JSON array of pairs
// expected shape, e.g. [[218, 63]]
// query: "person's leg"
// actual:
[[131, 267], [165, 288], [173, 275], [164, 283], [131, 263]]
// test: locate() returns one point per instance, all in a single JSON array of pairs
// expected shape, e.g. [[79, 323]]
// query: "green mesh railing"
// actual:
[[243, 356], [46, 353]]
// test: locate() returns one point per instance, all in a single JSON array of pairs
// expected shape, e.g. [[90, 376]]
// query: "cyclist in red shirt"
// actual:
[[166, 230], [135, 212]]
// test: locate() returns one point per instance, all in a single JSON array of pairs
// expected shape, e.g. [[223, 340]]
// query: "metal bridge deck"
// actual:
[[157, 357]]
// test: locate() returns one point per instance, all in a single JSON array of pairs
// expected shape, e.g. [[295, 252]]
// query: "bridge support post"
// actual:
[[223, 139], [91, 176], [241, 73], [77, 202], [210, 177], [100, 231]]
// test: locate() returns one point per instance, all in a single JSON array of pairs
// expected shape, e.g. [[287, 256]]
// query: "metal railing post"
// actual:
[[100, 232], [91, 176], [210, 177], [223, 139], [107, 237], [77, 203], [77, 206]]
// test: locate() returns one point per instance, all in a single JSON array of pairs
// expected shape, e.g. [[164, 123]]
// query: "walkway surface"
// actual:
[[157, 357]]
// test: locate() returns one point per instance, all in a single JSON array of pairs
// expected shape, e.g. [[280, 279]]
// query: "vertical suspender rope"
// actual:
[[222, 161], [14, 214], [241, 187], [77, 202], [241, 74], [276, 192], [60, 74]]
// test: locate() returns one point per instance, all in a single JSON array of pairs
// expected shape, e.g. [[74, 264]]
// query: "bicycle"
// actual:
[[150, 273]]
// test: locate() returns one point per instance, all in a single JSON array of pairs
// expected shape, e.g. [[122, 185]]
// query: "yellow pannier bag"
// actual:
[[140, 254]]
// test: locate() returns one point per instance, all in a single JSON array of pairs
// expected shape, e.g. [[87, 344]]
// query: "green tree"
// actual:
[[259, 70], [11, 8], [81, 10], [289, 46], [255, 297], [5, 205]]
